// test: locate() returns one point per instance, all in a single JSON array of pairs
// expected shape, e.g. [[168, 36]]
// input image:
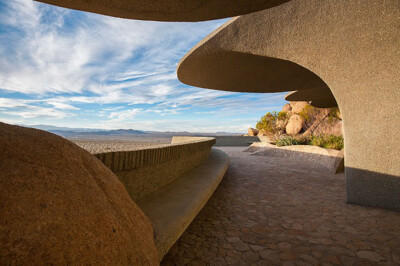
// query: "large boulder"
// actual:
[[315, 117], [265, 136], [297, 107], [329, 126], [295, 124], [325, 125], [252, 131], [61, 205], [281, 123], [263, 132], [286, 108]]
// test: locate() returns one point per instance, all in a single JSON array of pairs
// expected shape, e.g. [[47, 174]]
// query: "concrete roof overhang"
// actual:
[[321, 97], [328, 103], [168, 10], [229, 59]]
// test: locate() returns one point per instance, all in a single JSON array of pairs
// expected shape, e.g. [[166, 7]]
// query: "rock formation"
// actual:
[[300, 118], [297, 107], [61, 205], [252, 132], [295, 124], [286, 108]]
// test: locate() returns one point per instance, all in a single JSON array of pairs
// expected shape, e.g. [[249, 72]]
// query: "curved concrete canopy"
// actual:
[[351, 46], [213, 64], [243, 72], [327, 103], [168, 10], [320, 97]]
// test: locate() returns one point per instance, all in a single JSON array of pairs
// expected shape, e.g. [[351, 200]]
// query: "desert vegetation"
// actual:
[[323, 141], [299, 123]]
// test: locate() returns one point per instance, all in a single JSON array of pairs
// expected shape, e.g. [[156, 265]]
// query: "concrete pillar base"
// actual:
[[372, 189]]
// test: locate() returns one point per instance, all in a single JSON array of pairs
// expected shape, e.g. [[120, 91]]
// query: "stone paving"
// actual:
[[282, 211]]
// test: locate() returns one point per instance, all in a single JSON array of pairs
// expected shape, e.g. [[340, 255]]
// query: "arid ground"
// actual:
[[282, 211]]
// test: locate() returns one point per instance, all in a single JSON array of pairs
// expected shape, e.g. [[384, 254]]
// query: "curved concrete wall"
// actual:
[[145, 171], [236, 140], [351, 46], [225, 140]]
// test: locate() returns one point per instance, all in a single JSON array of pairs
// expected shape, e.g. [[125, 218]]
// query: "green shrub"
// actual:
[[289, 140], [333, 114], [282, 115], [328, 142], [286, 141], [267, 122], [307, 112]]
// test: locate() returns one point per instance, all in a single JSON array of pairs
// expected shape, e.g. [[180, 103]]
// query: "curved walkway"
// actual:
[[273, 211]]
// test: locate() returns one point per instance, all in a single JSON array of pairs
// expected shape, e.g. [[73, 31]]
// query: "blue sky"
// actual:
[[75, 69]]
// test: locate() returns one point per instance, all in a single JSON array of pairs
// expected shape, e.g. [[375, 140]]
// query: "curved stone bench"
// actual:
[[171, 184], [332, 160], [160, 165], [172, 208]]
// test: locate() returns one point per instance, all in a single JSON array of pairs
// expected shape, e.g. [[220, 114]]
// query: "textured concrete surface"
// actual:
[[235, 140], [59, 205], [348, 46], [281, 211], [140, 182], [101, 146], [144, 171], [127, 160], [225, 140], [186, 139], [172, 208], [331, 160], [168, 10], [324, 103], [319, 97]]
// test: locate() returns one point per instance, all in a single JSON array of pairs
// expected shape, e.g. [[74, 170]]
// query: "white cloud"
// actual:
[[26, 109], [63, 106], [66, 63], [125, 115], [36, 111], [55, 57], [12, 103]]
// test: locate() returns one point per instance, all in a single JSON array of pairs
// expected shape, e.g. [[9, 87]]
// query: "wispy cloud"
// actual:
[[36, 111], [58, 64], [62, 106], [27, 109], [126, 115]]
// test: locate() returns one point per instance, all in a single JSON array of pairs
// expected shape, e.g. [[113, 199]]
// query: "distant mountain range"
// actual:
[[68, 132], [50, 128]]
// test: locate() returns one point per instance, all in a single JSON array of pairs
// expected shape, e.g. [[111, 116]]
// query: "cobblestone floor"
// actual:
[[280, 211]]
